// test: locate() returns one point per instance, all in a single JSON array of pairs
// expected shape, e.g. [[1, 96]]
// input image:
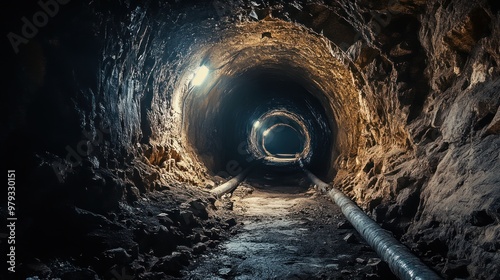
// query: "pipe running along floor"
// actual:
[[287, 230]]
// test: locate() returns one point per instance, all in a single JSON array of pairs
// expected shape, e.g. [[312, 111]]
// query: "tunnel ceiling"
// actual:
[[260, 67]]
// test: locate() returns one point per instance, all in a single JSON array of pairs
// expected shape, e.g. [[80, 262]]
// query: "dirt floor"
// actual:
[[287, 232]]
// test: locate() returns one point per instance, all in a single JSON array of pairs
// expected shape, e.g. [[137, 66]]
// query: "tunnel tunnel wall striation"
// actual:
[[273, 68], [396, 103]]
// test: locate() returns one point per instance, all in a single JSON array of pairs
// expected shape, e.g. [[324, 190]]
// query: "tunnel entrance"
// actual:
[[283, 141], [268, 113]]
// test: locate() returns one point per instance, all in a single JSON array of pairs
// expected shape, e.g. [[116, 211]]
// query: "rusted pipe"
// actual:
[[402, 262]]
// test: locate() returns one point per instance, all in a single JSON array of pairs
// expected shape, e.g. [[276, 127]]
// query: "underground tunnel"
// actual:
[[251, 140]]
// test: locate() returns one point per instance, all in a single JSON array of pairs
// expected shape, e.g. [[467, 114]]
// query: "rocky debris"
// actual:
[[198, 208], [351, 238], [225, 203], [224, 271], [456, 269], [344, 224], [373, 262], [171, 264], [379, 269], [79, 274], [164, 219], [219, 180], [372, 276], [187, 218], [199, 248], [148, 239], [346, 271], [230, 222], [243, 190], [209, 184], [360, 260], [35, 268], [117, 256]]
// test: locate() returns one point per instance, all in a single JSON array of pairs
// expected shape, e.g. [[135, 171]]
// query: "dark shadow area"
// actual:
[[289, 179]]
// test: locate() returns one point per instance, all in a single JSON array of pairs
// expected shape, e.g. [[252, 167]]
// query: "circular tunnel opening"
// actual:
[[262, 112], [283, 141]]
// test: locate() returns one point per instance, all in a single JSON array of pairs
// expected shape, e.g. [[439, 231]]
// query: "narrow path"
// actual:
[[287, 232]]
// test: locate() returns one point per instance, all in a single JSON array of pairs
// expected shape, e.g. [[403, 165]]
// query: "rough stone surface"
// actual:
[[106, 133]]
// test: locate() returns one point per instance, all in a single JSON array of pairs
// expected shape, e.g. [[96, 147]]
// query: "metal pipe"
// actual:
[[402, 262], [230, 185]]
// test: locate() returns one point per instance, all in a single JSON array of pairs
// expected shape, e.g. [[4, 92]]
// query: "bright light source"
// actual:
[[256, 124], [200, 75], [265, 133]]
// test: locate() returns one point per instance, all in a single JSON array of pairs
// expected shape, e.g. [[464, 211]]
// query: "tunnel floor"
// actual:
[[287, 232]]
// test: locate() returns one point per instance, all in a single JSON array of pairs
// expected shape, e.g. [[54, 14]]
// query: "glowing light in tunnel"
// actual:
[[201, 74], [256, 124], [265, 133]]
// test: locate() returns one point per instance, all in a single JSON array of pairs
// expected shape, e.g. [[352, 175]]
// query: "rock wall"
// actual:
[[430, 178], [411, 86]]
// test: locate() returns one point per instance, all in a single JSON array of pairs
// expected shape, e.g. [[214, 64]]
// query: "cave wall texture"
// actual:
[[410, 90]]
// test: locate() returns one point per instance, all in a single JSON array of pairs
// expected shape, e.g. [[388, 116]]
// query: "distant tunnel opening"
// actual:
[[263, 112], [283, 141]]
